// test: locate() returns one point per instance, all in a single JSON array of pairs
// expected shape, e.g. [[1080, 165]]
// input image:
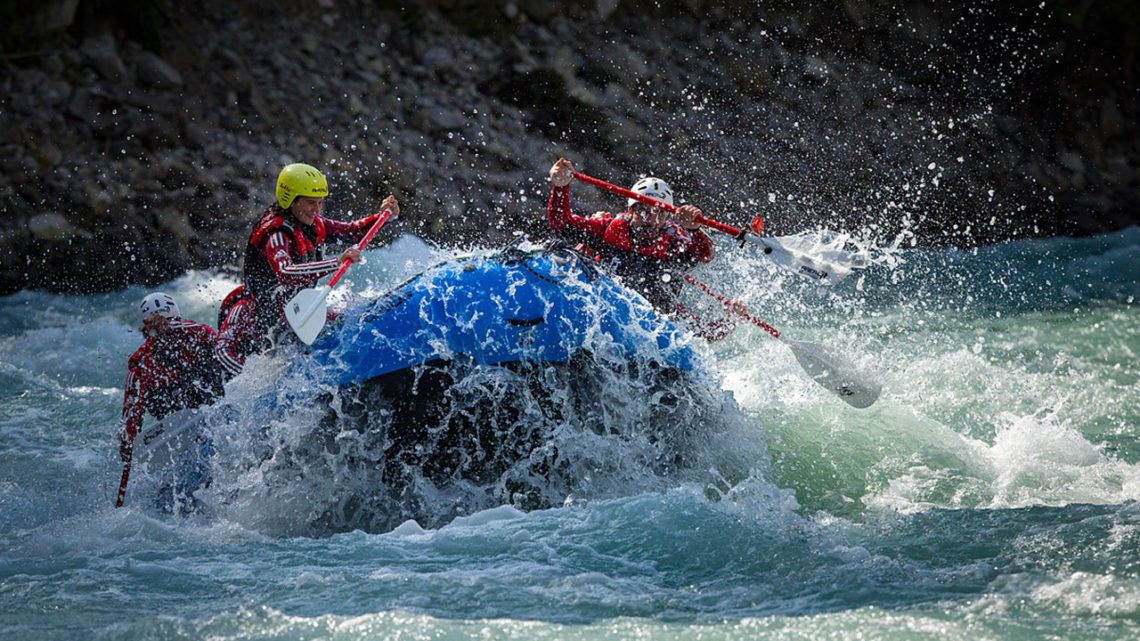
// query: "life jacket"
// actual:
[[259, 279], [179, 372], [650, 269], [619, 235]]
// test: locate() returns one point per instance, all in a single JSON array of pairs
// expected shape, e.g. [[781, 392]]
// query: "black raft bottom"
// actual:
[[446, 438]]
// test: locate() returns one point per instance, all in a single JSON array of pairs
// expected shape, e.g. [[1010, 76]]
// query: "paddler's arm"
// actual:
[[701, 248], [558, 209], [278, 251], [233, 335]]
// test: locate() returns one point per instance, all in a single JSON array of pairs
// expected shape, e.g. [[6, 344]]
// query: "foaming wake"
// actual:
[[1033, 460], [448, 438]]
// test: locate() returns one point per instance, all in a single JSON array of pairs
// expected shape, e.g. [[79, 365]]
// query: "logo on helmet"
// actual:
[[299, 179]]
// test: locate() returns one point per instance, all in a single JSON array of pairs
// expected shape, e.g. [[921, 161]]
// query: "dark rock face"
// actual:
[[123, 163]]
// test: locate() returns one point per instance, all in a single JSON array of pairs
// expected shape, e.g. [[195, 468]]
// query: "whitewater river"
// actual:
[[990, 493]]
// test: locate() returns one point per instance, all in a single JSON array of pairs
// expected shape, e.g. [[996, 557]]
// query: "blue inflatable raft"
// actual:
[[511, 306], [484, 379]]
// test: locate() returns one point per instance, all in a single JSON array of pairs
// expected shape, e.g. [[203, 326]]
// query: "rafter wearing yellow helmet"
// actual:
[[285, 254]]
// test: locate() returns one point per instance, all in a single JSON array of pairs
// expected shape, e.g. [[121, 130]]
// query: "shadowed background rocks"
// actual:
[[141, 138]]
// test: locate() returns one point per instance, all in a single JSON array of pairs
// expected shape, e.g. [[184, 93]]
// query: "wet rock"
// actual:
[[27, 96], [101, 54], [47, 154], [53, 226], [437, 58], [606, 8], [619, 61], [1072, 162], [83, 104], [447, 119], [309, 43], [155, 72], [177, 224], [816, 70], [99, 200], [13, 164]]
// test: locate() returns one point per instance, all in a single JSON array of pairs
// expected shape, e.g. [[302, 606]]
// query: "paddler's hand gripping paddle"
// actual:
[[306, 311]]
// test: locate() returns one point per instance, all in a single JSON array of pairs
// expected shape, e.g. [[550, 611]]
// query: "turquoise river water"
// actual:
[[990, 493]]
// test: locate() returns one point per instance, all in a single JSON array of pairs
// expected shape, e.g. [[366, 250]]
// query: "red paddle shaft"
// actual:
[[755, 321], [757, 223], [123, 484], [362, 244]]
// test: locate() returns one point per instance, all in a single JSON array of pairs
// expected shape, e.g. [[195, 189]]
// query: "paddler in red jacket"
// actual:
[[285, 254], [174, 368], [646, 250]]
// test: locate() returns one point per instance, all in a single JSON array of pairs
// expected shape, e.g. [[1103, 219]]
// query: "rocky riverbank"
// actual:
[[132, 150]]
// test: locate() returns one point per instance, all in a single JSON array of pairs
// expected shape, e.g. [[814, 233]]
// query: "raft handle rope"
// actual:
[[558, 252]]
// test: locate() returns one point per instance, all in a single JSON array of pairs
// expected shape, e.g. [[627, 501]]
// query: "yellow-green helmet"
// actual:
[[299, 179]]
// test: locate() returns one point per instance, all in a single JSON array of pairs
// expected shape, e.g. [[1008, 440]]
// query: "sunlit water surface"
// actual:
[[990, 493]]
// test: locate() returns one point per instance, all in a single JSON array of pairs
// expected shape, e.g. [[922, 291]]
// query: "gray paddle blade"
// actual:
[[835, 373], [169, 438]]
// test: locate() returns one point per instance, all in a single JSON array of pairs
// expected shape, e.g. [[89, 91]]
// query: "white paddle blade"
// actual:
[[835, 373], [826, 268], [306, 313]]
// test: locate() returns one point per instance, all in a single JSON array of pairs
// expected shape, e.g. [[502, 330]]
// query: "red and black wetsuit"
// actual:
[[655, 268], [284, 256], [169, 372], [237, 331]]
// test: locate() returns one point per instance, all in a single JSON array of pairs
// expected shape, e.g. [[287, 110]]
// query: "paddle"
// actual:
[[164, 434], [781, 250], [123, 482], [833, 372], [306, 311]]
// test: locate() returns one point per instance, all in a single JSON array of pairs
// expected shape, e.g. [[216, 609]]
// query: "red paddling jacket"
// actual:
[[238, 334], [284, 256], [655, 269], [167, 373]]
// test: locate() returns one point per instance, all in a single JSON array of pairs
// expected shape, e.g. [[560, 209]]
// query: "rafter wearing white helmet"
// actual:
[[159, 303], [655, 188]]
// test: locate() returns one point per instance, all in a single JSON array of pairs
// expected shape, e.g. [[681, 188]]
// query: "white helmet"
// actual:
[[159, 303], [654, 188]]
